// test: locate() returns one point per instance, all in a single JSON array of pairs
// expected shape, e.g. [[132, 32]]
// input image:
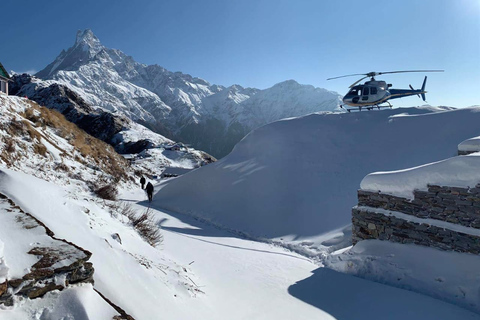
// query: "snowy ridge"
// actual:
[[304, 172], [176, 104]]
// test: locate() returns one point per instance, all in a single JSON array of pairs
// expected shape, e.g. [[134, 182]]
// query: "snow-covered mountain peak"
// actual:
[[287, 83], [85, 48], [88, 42], [177, 104]]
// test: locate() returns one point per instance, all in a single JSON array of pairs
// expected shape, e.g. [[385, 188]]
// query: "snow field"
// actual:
[[304, 173]]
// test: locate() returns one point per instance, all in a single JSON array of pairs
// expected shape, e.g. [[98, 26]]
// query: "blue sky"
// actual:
[[262, 42]]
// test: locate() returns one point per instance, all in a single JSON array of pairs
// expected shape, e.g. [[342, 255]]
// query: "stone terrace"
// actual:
[[444, 217]]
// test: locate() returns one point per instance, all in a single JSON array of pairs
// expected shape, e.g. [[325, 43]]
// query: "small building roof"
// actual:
[[3, 72]]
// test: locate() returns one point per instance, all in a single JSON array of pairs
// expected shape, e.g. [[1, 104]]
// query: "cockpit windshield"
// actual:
[[355, 91]]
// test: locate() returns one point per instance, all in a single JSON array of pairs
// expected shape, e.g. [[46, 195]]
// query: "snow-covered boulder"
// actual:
[[469, 146], [460, 171]]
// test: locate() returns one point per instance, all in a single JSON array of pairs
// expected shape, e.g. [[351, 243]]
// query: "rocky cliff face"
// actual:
[[100, 124], [177, 105]]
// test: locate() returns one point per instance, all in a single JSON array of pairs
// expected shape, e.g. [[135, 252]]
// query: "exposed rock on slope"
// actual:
[[51, 263], [117, 130], [100, 124]]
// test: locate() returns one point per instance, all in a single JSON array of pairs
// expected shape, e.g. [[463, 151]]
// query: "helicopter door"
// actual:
[[365, 93]]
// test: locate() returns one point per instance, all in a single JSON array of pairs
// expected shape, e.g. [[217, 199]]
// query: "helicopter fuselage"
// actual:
[[373, 93]]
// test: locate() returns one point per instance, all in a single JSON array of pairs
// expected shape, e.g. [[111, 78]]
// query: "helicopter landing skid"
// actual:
[[368, 107]]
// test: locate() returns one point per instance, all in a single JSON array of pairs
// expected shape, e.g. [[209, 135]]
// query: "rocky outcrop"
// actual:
[[443, 217], [100, 124], [66, 101], [58, 263]]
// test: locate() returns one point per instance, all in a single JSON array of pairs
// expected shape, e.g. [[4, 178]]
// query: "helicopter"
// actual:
[[373, 93]]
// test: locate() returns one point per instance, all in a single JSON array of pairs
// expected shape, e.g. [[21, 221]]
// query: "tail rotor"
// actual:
[[423, 88]]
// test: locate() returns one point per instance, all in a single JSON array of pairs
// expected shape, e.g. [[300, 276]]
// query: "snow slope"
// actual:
[[132, 274], [200, 272], [303, 173]]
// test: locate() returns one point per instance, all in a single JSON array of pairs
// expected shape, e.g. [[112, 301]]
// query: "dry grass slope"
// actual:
[[29, 128]]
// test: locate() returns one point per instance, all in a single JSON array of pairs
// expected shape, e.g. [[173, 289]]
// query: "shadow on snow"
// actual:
[[204, 229], [350, 298]]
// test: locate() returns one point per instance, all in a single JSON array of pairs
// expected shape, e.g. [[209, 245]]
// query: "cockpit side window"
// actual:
[[365, 91], [355, 91]]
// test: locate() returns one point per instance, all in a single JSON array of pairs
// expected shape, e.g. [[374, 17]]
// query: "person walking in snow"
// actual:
[[142, 181], [149, 189]]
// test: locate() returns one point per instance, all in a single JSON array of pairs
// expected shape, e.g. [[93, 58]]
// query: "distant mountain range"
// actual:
[[212, 118]]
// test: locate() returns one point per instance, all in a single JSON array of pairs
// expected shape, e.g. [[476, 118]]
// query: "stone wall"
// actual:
[[458, 206], [464, 153]]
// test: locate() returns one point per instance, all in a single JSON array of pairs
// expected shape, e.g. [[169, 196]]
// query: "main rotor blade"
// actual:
[[379, 73], [349, 75], [351, 86], [373, 74]]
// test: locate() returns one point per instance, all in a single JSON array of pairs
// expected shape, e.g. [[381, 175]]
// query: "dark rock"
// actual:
[[15, 283], [6, 300], [37, 292], [117, 238], [135, 147], [3, 288], [83, 274]]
